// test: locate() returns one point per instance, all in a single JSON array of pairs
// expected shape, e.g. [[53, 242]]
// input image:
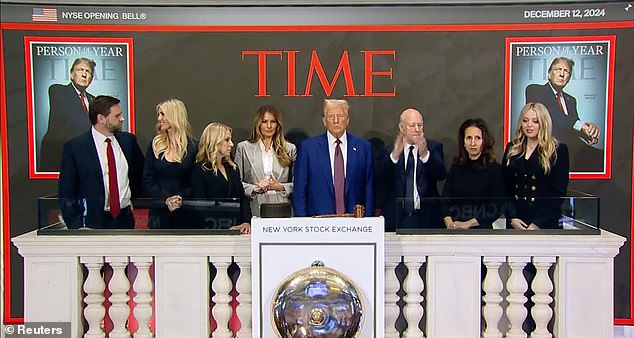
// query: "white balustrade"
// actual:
[[391, 298], [492, 286], [119, 286], [222, 286], [413, 287], [582, 280], [542, 286], [517, 286], [94, 286], [244, 297], [143, 287]]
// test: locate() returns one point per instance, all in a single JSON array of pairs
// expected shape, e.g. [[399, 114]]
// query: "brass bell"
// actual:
[[317, 302]]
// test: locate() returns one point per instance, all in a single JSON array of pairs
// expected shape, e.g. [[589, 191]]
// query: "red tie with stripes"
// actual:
[[113, 186], [561, 107], [83, 103]]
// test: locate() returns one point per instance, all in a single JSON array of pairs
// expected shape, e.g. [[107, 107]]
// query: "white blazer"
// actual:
[[249, 160]]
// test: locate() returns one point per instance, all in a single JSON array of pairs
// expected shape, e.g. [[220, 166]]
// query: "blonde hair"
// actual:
[[176, 114], [212, 135], [278, 142], [546, 142]]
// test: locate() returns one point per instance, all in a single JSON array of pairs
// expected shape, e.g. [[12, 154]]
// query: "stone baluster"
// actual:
[[243, 287], [222, 286], [94, 287], [119, 286], [391, 298], [143, 286], [413, 286], [542, 286], [517, 286], [492, 286]]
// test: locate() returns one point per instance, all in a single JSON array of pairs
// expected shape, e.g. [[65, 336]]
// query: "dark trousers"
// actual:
[[124, 221]]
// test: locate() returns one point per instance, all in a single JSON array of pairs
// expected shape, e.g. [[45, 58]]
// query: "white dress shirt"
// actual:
[[332, 144], [578, 123], [267, 163], [405, 158], [122, 169]]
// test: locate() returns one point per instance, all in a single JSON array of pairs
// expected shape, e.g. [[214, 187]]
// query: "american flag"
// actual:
[[44, 14]]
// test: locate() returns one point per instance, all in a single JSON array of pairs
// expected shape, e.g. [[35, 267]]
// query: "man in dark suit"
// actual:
[[567, 127], [333, 171], [68, 115], [411, 170], [87, 171]]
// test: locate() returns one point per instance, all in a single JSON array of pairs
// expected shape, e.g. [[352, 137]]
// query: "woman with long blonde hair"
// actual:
[[215, 175], [168, 163], [266, 160], [535, 167]]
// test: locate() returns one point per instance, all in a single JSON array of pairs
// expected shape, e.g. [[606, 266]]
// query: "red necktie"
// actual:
[[561, 107], [340, 204], [113, 186], [83, 103]]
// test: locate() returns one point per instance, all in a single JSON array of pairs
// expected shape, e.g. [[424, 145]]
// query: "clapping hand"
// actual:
[[399, 144], [421, 143]]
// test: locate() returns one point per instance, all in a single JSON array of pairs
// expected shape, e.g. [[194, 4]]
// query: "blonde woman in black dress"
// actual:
[[215, 175], [168, 164], [535, 167]]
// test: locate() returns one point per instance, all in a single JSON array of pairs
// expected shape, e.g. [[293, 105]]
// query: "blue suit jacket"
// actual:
[[427, 177], [81, 178], [313, 188]]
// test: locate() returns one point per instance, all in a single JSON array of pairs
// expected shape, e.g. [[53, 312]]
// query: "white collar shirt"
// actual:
[[122, 169], [331, 151]]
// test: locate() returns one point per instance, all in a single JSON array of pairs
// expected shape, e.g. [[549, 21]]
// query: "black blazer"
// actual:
[[427, 177], [81, 178], [206, 184], [536, 197], [66, 120]]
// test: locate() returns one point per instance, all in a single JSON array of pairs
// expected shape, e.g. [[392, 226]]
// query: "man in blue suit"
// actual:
[[332, 160], [84, 178], [413, 202]]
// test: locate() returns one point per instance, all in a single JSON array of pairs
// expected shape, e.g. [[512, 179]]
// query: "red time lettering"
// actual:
[[315, 68]]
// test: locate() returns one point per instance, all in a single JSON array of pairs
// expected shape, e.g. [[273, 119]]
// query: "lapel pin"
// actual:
[[354, 149]]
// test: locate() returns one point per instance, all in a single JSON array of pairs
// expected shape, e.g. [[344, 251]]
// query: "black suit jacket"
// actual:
[[562, 124], [66, 120], [206, 184], [536, 197], [81, 178], [427, 177], [584, 158]]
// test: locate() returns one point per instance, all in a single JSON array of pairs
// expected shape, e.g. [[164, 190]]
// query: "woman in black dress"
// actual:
[[168, 164], [215, 175], [535, 167], [474, 189]]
